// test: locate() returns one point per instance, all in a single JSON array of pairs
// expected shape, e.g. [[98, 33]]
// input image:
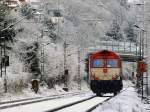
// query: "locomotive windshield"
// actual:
[[112, 63], [98, 63]]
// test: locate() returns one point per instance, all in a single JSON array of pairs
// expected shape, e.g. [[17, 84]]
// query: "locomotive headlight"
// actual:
[[104, 70], [92, 75], [115, 76]]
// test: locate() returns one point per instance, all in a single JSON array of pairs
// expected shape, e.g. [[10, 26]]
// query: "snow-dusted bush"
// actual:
[[16, 82], [1, 85], [28, 56]]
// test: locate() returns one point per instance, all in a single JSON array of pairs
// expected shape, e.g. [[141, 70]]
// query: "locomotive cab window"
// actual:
[[98, 63], [112, 63]]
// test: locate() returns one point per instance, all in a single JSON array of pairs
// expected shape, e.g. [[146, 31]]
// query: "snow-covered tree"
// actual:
[[130, 33], [4, 22], [26, 9], [115, 32], [51, 28]]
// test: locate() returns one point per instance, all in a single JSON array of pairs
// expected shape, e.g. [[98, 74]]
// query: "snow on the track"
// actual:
[[84, 106], [127, 101], [46, 105], [28, 93]]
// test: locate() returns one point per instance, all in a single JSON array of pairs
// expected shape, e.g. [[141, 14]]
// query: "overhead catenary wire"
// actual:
[[112, 12]]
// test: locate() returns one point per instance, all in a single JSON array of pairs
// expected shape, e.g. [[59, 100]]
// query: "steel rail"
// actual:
[[33, 100], [101, 103], [70, 104], [19, 100], [94, 107]]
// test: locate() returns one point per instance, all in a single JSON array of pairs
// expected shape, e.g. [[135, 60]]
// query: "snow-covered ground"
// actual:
[[43, 92], [28, 93], [47, 105], [127, 101]]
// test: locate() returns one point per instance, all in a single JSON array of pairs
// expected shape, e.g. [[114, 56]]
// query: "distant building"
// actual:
[[22, 2], [12, 3], [53, 13], [55, 16], [36, 5], [124, 3]]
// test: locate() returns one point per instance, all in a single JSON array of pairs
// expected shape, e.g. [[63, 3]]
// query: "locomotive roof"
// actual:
[[105, 54]]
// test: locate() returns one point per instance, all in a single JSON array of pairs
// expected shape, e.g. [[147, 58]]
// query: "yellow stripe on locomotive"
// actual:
[[112, 74]]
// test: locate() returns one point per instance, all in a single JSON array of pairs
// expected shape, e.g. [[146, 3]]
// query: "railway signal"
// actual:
[[5, 60], [142, 66]]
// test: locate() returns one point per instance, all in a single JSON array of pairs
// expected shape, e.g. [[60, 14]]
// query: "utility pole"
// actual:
[[42, 57], [1, 56], [5, 75], [142, 81], [79, 74], [65, 46], [58, 18], [4, 57], [4, 60], [147, 40], [144, 76], [65, 67], [42, 62]]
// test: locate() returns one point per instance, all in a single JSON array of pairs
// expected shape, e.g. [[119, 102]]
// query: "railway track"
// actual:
[[76, 105], [85, 105], [81, 105], [75, 102], [9, 104], [70, 104], [94, 107], [13, 101]]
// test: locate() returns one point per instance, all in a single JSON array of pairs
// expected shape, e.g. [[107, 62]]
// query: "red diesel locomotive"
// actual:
[[105, 72]]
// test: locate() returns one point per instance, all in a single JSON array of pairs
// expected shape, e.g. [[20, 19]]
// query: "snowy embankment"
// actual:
[[28, 93], [44, 91], [127, 101]]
